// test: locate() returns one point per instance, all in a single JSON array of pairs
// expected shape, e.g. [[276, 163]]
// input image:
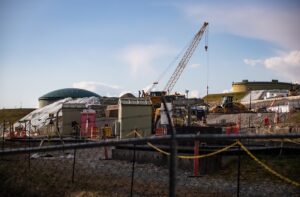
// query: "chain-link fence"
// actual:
[[141, 167]]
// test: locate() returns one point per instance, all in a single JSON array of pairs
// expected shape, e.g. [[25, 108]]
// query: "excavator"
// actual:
[[228, 106], [155, 96]]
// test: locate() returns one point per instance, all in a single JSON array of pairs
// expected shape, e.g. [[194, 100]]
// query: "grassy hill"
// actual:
[[13, 115], [294, 118]]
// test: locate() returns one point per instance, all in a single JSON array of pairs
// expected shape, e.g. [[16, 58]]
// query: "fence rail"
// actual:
[[143, 140]]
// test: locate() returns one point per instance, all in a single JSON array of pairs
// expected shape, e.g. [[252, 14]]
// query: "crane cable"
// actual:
[[207, 59], [171, 63], [167, 69], [175, 59]]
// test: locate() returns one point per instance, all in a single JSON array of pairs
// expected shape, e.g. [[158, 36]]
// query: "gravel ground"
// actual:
[[51, 176], [213, 185]]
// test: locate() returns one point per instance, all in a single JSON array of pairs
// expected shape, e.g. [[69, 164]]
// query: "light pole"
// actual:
[[187, 93]]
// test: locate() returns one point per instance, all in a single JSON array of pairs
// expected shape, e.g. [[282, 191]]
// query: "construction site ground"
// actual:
[[51, 174], [93, 176]]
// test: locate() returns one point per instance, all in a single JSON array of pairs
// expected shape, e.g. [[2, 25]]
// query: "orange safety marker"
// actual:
[[160, 131], [196, 160]]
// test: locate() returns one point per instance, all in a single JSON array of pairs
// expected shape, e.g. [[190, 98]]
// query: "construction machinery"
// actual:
[[228, 106], [183, 62], [155, 96], [186, 57]]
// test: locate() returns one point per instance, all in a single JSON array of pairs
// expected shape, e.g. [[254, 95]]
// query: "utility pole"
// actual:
[[206, 90]]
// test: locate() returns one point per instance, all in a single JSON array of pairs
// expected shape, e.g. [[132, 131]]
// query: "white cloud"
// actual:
[[273, 24], [141, 58], [252, 62], [194, 94], [195, 65], [100, 88], [286, 65]]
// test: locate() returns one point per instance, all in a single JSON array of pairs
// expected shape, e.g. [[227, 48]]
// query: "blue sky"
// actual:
[[111, 47]]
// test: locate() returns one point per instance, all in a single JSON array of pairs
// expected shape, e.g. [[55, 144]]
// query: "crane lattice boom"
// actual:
[[185, 59]]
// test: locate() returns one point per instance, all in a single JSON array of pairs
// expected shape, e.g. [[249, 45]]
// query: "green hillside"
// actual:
[[13, 115], [294, 118]]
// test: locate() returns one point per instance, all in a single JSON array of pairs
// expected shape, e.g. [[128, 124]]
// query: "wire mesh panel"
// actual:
[[88, 169]]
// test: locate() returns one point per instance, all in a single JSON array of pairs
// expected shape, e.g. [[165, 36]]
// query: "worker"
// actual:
[[75, 127]]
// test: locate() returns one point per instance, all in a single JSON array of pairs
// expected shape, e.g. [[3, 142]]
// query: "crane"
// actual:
[[155, 96], [185, 59]]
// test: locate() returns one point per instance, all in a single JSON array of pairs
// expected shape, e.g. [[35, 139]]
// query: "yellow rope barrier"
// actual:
[[189, 156], [209, 154], [131, 132], [292, 141], [158, 149], [268, 168], [225, 149]]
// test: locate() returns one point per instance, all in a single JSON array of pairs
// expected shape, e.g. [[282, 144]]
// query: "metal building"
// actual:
[[71, 114], [134, 113]]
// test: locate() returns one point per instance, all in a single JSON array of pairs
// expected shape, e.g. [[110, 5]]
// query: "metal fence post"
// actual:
[[3, 135], [132, 172], [29, 153], [173, 155], [238, 171], [74, 158], [196, 160]]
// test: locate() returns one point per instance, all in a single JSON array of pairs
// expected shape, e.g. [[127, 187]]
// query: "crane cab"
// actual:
[[155, 97], [227, 101]]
